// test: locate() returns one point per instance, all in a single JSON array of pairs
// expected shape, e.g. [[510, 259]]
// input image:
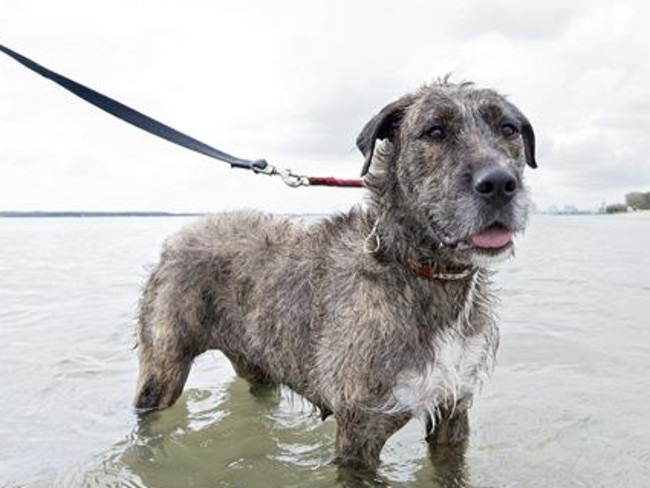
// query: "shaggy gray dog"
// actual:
[[376, 316]]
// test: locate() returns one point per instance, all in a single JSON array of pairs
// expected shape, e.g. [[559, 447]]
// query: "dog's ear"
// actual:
[[529, 141], [381, 126], [527, 134]]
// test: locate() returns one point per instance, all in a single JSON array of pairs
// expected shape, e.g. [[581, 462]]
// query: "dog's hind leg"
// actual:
[[166, 351], [160, 389], [164, 367]]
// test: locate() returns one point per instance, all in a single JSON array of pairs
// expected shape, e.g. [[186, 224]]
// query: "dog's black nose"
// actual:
[[495, 184]]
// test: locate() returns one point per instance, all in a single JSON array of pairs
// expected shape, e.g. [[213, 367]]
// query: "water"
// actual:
[[566, 405]]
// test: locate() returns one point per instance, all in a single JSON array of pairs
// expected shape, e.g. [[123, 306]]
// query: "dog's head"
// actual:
[[450, 173]]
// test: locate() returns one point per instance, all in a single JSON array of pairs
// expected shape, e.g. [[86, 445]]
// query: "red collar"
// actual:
[[434, 273]]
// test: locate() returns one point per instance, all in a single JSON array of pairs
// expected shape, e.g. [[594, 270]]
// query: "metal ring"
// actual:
[[292, 180]]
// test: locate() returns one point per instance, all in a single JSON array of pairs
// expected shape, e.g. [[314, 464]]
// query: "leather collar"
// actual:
[[436, 273]]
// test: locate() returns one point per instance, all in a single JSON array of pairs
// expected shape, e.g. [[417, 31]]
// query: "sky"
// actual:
[[294, 82]]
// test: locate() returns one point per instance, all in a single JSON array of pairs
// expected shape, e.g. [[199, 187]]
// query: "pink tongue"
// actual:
[[492, 237]]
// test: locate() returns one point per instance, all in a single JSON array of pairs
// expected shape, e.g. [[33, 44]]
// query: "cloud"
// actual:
[[536, 20], [295, 81]]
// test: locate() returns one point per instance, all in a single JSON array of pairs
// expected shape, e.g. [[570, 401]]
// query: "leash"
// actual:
[[152, 126]]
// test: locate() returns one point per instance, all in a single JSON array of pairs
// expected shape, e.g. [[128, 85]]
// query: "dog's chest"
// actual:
[[457, 367]]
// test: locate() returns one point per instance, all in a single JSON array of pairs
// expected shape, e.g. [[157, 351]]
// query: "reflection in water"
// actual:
[[228, 437], [201, 440]]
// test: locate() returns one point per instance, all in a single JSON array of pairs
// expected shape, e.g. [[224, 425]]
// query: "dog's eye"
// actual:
[[508, 129], [437, 133]]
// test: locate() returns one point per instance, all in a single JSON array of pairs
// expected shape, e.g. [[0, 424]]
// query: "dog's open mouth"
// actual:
[[496, 236], [492, 239]]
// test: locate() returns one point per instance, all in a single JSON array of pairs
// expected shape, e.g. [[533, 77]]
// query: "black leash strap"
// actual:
[[134, 117]]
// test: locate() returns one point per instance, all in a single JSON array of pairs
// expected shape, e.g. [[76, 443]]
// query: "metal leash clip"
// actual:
[[289, 178], [293, 180]]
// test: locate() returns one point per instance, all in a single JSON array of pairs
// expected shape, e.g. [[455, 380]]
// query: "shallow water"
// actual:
[[566, 405]]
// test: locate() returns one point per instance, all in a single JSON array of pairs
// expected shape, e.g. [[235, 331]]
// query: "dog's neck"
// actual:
[[389, 241]]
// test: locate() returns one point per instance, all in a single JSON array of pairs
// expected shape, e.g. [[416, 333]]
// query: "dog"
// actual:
[[376, 316]]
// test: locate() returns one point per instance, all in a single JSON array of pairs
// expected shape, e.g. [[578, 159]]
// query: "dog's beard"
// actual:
[[483, 260]]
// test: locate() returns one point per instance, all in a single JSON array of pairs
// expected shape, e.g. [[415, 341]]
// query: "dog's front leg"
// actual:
[[447, 438], [450, 427], [360, 436]]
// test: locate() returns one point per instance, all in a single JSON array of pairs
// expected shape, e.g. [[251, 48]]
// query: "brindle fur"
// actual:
[[329, 309]]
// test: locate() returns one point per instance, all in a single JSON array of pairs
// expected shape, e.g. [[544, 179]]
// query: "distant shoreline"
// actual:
[[93, 214], [41, 214]]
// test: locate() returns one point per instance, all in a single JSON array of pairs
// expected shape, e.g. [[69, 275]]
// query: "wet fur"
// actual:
[[329, 309]]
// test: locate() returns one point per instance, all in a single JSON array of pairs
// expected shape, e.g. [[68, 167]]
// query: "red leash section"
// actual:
[[294, 180], [330, 181]]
